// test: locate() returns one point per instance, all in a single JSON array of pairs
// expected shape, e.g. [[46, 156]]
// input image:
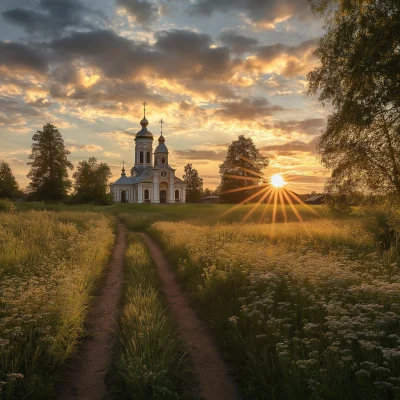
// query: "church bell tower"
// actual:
[[143, 145]]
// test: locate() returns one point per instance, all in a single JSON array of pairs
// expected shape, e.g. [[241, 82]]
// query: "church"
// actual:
[[151, 180]]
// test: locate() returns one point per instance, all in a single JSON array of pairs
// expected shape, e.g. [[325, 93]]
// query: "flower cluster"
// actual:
[[313, 302], [49, 263]]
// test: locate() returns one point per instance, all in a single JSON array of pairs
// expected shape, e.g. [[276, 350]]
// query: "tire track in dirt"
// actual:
[[85, 379], [214, 380]]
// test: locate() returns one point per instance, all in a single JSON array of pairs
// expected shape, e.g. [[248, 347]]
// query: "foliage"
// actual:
[[359, 75], [49, 267], [304, 311], [194, 184], [150, 360], [8, 185], [48, 174], [6, 206], [242, 168], [383, 222], [91, 182]]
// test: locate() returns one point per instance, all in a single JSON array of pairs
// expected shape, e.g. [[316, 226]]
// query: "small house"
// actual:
[[210, 200], [319, 199]]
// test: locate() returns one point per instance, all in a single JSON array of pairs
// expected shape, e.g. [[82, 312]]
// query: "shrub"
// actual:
[[6, 206]]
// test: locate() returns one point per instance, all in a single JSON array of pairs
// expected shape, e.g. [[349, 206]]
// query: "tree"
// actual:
[[194, 184], [48, 174], [207, 192], [8, 185], [359, 75], [91, 182], [241, 169]]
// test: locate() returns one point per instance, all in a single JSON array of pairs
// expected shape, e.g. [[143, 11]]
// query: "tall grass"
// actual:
[[150, 360], [304, 311], [49, 266]]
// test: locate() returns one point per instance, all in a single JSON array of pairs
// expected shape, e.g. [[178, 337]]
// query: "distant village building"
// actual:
[[319, 199], [151, 180], [210, 199]]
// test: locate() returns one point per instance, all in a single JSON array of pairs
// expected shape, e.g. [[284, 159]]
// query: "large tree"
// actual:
[[194, 184], [359, 74], [49, 166], [91, 182], [242, 170], [8, 185]]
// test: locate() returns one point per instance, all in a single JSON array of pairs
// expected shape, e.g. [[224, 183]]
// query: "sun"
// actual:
[[277, 181]]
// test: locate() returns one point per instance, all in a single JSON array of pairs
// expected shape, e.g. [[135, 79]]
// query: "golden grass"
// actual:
[[49, 266], [305, 311]]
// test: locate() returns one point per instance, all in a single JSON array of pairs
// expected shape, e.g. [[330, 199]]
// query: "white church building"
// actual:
[[151, 180]]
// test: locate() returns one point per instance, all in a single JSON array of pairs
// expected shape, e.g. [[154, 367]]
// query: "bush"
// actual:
[[6, 206], [383, 222]]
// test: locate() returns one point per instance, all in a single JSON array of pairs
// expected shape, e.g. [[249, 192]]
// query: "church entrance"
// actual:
[[163, 196], [123, 196]]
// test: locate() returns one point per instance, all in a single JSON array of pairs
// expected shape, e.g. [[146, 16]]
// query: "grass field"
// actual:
[[303, 309], [150, 359], [50, 264]]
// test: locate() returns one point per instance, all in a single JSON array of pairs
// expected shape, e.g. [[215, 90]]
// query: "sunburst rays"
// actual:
[[270, 191]]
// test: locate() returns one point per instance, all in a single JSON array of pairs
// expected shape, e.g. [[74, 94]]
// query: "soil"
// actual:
[[214, 380], [85, 379]]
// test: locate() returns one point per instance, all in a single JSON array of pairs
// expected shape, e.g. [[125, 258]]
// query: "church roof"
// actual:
[[146, 174], [161, 148], [124, 180], [144, 132]]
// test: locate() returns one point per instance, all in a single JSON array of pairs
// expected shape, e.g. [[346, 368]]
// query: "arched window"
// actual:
[[141, 157], [148, 161], [163, 160], [176, 195], [146, 195]]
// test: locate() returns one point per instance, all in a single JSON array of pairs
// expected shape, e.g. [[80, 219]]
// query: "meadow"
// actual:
[[150, 359], [302, 309], [50, 266]]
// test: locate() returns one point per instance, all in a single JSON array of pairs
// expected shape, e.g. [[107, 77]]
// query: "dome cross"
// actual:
[[144, 108], [161, 122]]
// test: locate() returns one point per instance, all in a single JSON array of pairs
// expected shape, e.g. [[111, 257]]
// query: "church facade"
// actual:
[[151, 179]]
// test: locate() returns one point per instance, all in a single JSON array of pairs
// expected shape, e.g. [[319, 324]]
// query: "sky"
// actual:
[[211, 69]]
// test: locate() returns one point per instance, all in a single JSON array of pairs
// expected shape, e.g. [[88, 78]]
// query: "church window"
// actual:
[[163, 160], [146, 194], [177, 195], [148, 158], [141, 157], [163, 174], [156, 161]]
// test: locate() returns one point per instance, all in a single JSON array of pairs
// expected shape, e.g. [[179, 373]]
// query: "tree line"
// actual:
[[49, 179]]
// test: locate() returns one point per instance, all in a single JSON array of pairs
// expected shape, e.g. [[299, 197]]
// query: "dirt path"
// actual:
[[215, 382], [85, 380]]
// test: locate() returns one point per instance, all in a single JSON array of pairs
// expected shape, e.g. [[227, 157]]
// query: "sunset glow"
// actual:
[[277, 181]]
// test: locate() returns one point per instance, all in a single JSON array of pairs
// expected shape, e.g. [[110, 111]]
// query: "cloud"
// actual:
[[112, 155], [237, 43], [90, 148], [247, 109], [144, 11], [312, 126], [180, 54], [263, 13], [54, 17], [293, 147], [17, 56], [200, 154], [299, 178], [288, 61]]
